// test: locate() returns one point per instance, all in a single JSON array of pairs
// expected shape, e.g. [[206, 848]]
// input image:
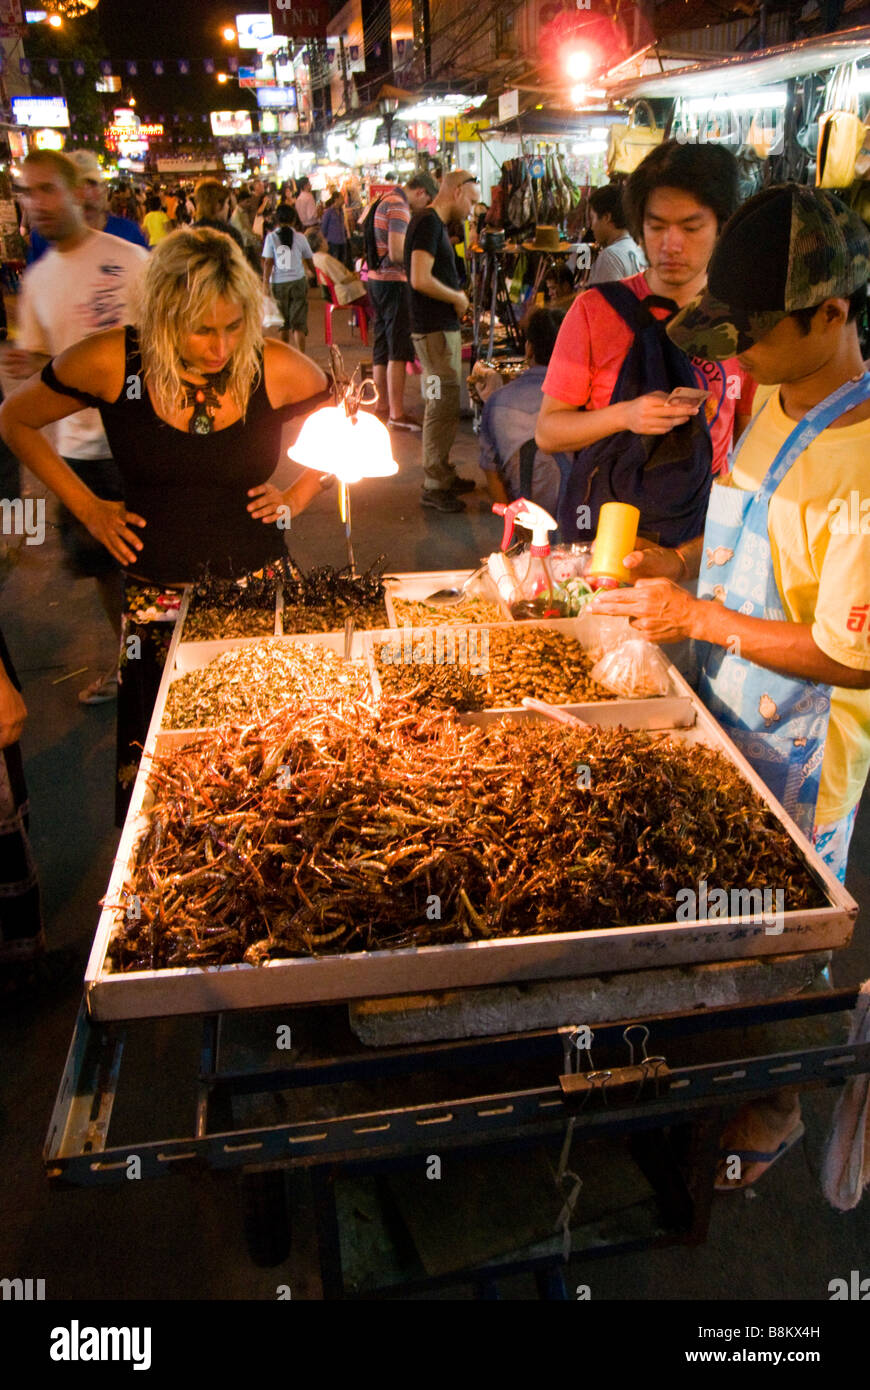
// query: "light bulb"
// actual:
[[331, 442]]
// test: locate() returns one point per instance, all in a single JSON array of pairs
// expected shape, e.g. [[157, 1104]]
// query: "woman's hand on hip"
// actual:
[[109, 523], [268, 500]]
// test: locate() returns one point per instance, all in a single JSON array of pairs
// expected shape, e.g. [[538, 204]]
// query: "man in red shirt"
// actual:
[[676, 201]]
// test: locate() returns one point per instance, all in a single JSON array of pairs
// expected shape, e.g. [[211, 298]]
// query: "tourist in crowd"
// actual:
[[349, 288], [157, 223], [197, 443], [597, 394], [94, 196], [437, 303], [559, 287], [287, 266], [212, 209], [86, 283], [332, 228], [384, 224], [249, 199], [620, 256], [288, 193], [512, 464], [125, 204], [305, 204], [781, 613]]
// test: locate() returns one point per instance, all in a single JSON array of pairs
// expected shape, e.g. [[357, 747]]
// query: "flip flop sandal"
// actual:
[[757, 1156]]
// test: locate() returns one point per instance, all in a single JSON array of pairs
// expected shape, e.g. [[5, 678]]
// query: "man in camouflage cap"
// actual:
[[786, 249], [782, 613]]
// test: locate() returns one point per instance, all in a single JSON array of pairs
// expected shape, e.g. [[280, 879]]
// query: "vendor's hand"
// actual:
[[651, 414], [20, 364], [268, 500], [651, 561], [13, 712], [658, 610], [461, 303], [109, 523]]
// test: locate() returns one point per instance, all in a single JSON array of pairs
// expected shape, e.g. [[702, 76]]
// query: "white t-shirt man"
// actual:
[[67, 296], [288, 259]]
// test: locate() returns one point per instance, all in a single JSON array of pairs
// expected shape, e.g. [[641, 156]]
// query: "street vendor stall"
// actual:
[[484, 926]]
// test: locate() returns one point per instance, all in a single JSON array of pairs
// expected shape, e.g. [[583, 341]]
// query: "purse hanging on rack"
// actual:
[[841, 131], [629, 145]]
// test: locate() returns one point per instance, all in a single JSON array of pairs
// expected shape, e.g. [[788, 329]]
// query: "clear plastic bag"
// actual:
[[634, 669]]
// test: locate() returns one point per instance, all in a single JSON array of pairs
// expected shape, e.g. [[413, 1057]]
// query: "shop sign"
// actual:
[[509, 105], [49, 140], [40, 111], [231, 123], [276, 96], [465, 131], [252, 29], [300, 19]]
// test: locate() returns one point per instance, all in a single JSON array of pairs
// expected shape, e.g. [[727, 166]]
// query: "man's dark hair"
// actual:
[[857, 302], [561, 276], [607, 201], [708, 172], [153, 203], [288, 222], [542, 331], [303, 184]]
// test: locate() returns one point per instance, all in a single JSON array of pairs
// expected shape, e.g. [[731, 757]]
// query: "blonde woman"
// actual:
[[193, 401]]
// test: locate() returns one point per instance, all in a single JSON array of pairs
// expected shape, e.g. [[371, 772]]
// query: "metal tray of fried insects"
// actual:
[[366, 974], [466, 646], [184, 613], [184, 657]]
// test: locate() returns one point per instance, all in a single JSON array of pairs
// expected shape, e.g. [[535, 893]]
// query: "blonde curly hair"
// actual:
[[187, 271]]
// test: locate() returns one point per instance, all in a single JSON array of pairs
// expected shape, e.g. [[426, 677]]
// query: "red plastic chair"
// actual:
[[358, 316]]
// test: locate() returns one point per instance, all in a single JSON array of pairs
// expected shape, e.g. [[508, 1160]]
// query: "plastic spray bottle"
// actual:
[[536, 596]]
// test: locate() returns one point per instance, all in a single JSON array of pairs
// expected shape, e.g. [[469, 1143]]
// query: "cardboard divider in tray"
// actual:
[[671, 711]]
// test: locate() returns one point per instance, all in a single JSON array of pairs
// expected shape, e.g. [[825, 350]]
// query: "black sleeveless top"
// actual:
[[192, 488]]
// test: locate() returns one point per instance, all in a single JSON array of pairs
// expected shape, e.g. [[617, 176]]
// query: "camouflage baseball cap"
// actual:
[[790, 247]]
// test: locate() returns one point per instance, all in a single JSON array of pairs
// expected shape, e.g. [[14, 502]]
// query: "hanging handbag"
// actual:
[[841, 132], [628, 145]]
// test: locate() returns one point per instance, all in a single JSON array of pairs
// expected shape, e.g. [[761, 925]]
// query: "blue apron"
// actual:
[[779, 723]]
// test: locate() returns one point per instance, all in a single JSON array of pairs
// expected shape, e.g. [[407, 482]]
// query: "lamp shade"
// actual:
[[350, 447]]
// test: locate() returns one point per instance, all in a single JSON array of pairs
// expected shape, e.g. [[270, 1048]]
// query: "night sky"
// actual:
[[148, 29]]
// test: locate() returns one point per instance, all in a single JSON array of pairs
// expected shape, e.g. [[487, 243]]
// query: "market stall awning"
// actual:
[[746, 71]]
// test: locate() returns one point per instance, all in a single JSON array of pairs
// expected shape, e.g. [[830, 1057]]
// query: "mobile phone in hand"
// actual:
[[686, 395]]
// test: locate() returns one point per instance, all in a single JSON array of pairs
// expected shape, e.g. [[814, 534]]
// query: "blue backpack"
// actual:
[[666, 476]]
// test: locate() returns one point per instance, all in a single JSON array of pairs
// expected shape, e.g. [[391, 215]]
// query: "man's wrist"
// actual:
[[708, 622]]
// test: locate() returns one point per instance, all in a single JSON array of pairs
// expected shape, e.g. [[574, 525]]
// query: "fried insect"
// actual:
[[339, 827]]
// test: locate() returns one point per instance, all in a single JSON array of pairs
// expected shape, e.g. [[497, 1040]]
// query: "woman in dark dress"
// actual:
[[193, 401]]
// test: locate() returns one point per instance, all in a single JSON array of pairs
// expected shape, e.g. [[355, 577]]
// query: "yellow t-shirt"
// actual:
[[156, 226], [821, 562]]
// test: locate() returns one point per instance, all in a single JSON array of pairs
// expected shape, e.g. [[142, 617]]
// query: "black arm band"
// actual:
[[53, 382]]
